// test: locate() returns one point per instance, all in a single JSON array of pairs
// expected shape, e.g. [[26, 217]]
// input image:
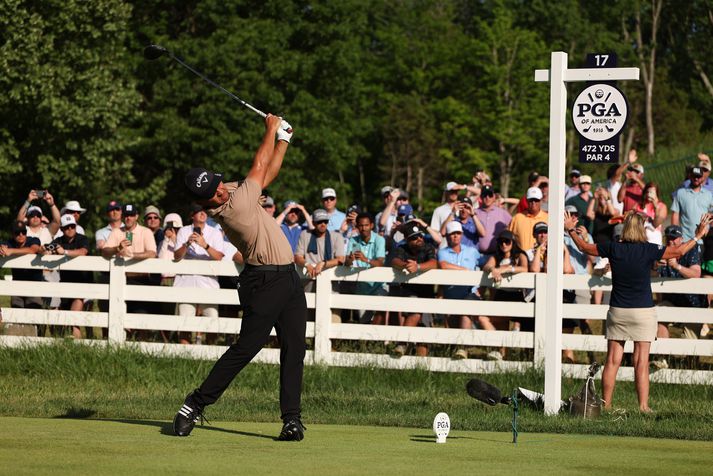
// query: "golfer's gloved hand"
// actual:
[[285, 131]]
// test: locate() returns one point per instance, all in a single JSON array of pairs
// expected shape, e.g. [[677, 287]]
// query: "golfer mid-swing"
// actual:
[[269, 287]]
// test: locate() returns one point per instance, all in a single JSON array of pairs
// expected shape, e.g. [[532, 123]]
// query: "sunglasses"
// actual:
[[321, 222], [69, 226], [20, 232], [328, 199], [152, 217], [533, 199], [34, 215], [505, 241], [414, 238]]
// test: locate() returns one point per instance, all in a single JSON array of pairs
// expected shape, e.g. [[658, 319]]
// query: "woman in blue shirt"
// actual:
[[631, 315]]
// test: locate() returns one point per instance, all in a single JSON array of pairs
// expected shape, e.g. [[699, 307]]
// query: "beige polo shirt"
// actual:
[[521, 226], [250, 228], [142, 240]]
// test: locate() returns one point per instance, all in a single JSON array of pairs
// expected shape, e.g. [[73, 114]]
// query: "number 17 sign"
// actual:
[[599, 114]]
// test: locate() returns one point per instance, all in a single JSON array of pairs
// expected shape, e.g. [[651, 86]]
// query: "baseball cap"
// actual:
[[34, 209], [66, 220], [453, 227], [534, 193], [413, 229], [673, 231], [636, 168], [72, 206], [704, 165], [195, 208], [113, 205], [129, 209], [403, 194], [152, 209], [269, 202], [467, 200], [202, 183], [386, 190], [575, 172], [571, 209], [487, 191], [539, 226], [506, 235], [320, 215], [697, 171], [405, 209], [329, 192], [450, 186], [173, 219], [585, 179]]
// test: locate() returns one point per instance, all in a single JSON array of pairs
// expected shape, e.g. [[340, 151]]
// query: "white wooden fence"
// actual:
[[323, 301]]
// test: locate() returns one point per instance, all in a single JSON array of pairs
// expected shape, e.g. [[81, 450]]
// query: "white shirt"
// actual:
[[439, 216], [214, 238], [43, 234]]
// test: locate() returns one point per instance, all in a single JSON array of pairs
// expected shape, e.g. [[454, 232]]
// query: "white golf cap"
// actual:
[[174, 219], [35, 209], [453, 227], [329, 192], [66, 220], [450, 186], [534, 192], [72, 206], [386, 189], [703, 164], [585, 179]]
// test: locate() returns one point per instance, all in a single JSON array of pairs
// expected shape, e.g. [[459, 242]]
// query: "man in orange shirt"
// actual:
[[522, 223]]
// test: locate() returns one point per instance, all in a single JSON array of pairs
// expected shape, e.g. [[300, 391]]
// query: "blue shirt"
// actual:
[[293, 233], [691, 206], [467, 258], [470, 233], [374, 249], [336, 218], [631, 272], [578, 258], [708, 185]]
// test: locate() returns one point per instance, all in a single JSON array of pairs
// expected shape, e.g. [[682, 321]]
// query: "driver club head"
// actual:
[[152, 52], [484, 392]]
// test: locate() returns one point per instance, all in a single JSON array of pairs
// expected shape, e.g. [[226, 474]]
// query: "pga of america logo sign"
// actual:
[[599, 112]]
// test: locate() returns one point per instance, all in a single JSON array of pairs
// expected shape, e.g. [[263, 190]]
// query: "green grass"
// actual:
[[82, 382], [68, 446]]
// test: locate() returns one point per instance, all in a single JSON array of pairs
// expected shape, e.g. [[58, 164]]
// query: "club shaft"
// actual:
[[217, 86]]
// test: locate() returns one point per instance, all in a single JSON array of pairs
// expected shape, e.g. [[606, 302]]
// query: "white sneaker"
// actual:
[[460, 354], [494, 355]]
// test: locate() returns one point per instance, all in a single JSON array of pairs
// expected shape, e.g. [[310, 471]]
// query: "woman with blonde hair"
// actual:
[[631, 315]]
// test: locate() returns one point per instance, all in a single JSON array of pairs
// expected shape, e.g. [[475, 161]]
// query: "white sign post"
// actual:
[[558, 76]]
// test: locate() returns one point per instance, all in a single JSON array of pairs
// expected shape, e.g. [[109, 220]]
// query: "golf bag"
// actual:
[[586, 403]]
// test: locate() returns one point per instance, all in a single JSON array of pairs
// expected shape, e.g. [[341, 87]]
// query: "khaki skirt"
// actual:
[[638, 324]]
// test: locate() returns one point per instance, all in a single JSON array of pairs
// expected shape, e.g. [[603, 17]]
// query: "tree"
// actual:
[[68, 99]]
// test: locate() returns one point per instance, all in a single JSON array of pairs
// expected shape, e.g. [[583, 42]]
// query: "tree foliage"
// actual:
[[411, 93]]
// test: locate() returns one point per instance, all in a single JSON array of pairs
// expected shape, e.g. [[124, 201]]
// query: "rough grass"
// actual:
[[79, 381]]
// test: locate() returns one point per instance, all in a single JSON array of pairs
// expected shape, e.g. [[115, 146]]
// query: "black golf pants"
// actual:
[[269, 299]]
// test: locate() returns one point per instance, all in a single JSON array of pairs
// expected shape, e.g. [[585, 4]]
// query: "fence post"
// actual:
[[117, 304], [322, 317], [540, 319]]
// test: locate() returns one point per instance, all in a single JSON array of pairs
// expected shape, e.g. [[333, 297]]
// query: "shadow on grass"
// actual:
[[166, 428], [77, 413]]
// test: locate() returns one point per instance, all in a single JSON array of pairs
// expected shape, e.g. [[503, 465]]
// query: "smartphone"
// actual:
[[130, 236], [197, 230], [40, 193]]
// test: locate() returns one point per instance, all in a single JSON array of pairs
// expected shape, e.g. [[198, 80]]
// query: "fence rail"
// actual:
[[324, 302]]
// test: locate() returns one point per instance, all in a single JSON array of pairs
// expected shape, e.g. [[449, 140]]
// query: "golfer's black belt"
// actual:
[[269, 267]]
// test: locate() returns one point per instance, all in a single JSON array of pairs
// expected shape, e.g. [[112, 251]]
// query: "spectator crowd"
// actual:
[[475, 228]]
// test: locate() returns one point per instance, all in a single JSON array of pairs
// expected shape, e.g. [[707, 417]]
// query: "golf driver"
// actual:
[[153, 52]]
